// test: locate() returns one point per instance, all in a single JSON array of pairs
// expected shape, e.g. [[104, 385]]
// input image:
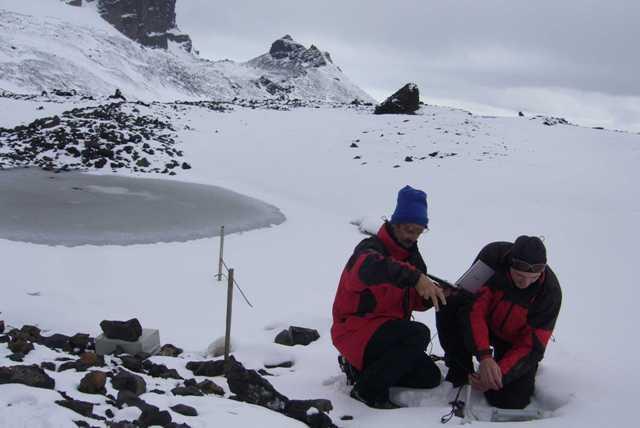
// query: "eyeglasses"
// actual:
[[523, 266]]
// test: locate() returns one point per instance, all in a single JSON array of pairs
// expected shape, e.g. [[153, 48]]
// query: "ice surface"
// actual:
[[74, 208]]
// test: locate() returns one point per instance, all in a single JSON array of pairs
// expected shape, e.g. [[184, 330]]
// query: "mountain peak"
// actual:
[[286, 49]]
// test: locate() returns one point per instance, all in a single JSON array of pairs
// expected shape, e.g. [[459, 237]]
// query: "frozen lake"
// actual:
[[74, 208]]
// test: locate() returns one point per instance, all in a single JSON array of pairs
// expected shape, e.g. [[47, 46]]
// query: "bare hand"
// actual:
[[428, 290], [490, 374], [476, 382]]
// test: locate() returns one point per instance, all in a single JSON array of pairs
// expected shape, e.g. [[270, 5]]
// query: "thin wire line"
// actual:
[[237, 285]]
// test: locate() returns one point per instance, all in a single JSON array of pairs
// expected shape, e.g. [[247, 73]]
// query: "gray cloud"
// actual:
[[466, 49]]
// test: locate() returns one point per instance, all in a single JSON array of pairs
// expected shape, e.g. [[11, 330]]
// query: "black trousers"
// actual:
[[395, 356], [458, 357]]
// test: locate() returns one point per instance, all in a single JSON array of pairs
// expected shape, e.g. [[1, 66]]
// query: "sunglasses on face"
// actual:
[[523, 266]]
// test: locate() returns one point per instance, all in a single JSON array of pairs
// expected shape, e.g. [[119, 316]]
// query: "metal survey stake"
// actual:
[[227, 336], [220, 259]]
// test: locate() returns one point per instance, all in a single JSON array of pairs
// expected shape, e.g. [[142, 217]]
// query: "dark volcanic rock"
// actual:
[[20, 346], [48, 365], [26, 375], [183, 409], [405, 101], [93, 383], [149, 22], [131, 362], [151, 417], [81, 341], [210, 387], [297, 336], [206, 368], [191, 390], [56, 341], [127, 381], [168, 350], [284, 364], [162, 371], [122, 330], [81, 407], [252, 388]]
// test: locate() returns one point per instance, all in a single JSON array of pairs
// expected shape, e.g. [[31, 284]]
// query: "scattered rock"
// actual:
[[117, 94], [297, 336], [252, 388], [169, 350], [56, 341], [20, 346], [131, 362], [190, 390], [127, 381], [346, 418], [26, 375], [122, 330], [81, 341], [48, 365], [89, 359], [404, 101], [185, 410], [160, 370], [81, 407], [153, 416], [207, 368], [93, 383], [209, 387], [284, 364]]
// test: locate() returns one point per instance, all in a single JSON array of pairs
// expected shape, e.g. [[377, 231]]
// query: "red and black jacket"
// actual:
[[522, 318], [377, 285]]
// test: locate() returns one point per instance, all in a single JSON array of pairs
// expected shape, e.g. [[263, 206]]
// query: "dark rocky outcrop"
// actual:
[[26, 375], [112, 135], [288, 55], [404, 101], [297, 336], [122, 330], [151, 23]]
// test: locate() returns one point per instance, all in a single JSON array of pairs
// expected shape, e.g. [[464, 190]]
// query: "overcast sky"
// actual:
[[578, 59]]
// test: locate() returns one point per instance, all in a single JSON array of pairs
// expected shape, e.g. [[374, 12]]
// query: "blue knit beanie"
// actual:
[[411, 207]]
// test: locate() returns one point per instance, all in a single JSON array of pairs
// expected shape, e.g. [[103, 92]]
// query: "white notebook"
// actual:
[[475, 277]]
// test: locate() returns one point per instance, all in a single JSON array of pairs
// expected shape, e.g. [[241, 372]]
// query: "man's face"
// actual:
[[523, 279], [408, 234]]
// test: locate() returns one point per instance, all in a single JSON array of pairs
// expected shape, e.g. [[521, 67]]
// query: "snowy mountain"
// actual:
[[47, 45], [324, 173]]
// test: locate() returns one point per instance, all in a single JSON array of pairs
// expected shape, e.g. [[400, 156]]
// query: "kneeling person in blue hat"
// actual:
[[383, 282]]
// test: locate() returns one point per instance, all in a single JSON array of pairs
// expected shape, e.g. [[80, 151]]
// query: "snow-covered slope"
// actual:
[[64, 47], [487, 179]]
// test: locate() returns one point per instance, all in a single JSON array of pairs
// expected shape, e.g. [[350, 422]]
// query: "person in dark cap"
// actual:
[[506, 325], [383, 282]]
